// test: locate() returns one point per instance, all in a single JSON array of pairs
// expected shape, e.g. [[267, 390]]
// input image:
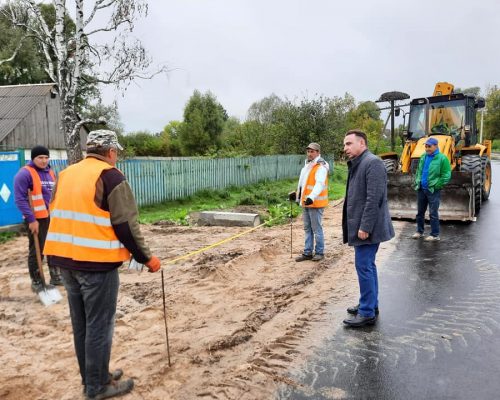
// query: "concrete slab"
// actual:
[[218, 218], [12, 228]]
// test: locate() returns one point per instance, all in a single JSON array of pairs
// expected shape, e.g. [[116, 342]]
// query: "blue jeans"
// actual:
[[92, 300], [364, 259], [314, 230], [424, 199]]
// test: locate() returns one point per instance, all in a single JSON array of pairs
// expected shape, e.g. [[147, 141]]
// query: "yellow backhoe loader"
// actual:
[[451, 119]]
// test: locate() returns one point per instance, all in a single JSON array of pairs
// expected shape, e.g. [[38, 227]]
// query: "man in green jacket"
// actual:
[[433, 172]]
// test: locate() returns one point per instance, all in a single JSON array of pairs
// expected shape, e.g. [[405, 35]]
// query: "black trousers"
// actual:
[[92, 298], [43, 227]]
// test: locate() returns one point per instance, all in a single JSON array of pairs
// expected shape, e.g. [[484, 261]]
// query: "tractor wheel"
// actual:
[[486, 170], [472, 163], [391, 165]]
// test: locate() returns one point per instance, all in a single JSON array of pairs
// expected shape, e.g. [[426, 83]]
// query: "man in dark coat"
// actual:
[[366, 222]]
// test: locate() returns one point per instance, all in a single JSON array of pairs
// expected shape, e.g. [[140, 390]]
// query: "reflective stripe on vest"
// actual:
[[77, 216], [321, 200], [39, 207], [79, 229], [84, 242]]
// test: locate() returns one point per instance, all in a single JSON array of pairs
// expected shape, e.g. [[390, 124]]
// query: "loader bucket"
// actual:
[[457, 197]]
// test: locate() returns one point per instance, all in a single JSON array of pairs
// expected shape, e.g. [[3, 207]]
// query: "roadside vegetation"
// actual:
[[6, 236], [495, 146], [269, 198], [276, 125]]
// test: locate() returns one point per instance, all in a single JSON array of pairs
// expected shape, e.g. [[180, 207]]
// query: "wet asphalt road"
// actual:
[[438, 333]]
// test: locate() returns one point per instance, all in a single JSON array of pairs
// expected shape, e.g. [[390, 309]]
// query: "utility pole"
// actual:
[[393, 140]]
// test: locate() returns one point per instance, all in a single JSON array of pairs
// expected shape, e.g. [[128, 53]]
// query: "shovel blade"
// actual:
[[135, 266], [49, 296]]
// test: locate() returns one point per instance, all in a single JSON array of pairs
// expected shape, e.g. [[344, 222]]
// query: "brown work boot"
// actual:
[[116, 374], [113, 389], [304, 257], [113, 376]]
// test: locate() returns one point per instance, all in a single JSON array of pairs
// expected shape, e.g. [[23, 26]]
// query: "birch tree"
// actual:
[[92, 53]]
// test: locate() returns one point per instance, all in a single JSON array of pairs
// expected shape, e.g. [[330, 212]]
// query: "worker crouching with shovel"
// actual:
[[93, 229]]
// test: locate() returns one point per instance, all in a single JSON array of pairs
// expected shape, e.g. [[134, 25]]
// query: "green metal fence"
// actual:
[[157, 180]]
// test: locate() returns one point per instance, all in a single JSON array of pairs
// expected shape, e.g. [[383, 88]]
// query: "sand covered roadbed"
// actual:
[[239, 316]]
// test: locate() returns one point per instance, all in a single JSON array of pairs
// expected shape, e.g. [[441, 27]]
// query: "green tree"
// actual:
[[321, 119], [366, 116], [231, 137], [203, 123], [26, 66], [143, 144], [171, 136], [26, 59], [338, 109], [250, 138], [492, 115], [473, 91], [262, 110], [72, 57], [370, 109], [256, 138]]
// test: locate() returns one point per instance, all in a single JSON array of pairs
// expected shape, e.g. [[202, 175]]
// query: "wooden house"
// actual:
[[30, 115]]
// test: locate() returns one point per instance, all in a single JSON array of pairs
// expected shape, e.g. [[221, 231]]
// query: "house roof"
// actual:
[[17, 101]]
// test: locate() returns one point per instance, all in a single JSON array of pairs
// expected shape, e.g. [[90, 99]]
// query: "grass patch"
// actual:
[[6, 236], [272, 195]]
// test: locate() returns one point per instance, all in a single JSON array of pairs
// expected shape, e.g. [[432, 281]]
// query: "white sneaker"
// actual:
[[431, 238], [417, 235]]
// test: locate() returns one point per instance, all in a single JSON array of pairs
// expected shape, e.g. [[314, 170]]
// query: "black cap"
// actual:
[[39, 151]]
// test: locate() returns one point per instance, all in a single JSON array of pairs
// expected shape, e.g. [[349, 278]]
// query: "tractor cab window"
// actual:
[[417, 123], [442, 118], [447, 118]]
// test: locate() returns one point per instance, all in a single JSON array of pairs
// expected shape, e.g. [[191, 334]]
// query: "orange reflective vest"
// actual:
[[38, 204], [320, 201], [78, 228]]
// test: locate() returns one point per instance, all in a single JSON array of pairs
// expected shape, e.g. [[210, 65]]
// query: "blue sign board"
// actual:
[[10, 162]]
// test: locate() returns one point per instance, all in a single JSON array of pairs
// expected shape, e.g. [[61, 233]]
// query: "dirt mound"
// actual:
[[216, 264]]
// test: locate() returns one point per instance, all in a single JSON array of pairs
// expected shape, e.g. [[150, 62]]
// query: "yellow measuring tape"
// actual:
[[217, 244], [173, 260]]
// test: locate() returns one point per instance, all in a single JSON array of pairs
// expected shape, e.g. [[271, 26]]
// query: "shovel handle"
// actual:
[[37, 245]]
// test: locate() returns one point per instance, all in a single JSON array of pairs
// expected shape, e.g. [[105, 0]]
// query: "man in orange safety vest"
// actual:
[[33, 186], [93, 229], [312, 196]]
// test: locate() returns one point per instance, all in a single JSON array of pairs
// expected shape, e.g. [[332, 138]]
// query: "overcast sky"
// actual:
[[243, 51]]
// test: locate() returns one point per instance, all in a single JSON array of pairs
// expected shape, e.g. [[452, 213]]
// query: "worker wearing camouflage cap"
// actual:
[[93, 229]]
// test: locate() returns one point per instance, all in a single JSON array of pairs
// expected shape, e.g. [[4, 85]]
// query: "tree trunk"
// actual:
[[71, 136]]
